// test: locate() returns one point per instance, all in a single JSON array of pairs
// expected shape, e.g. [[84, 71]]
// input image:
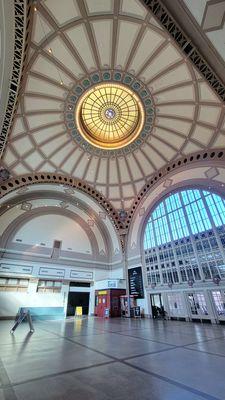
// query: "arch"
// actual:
[[53, 195], [209, 175], [22, 220], [31, 179], [211, 158], [198, 194]]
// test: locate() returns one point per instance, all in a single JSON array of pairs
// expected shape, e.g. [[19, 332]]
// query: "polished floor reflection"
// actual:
[[97, 359]]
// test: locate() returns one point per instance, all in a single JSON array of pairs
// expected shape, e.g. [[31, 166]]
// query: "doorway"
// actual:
[[157, 305], [198, 306], [77, 299], [101, 303]]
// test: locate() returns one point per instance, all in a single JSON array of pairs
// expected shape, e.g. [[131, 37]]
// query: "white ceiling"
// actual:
[[92, 35]]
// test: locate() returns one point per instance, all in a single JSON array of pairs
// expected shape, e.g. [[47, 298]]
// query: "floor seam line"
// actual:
[[207, 352], [69, 371], [10, 395], [113, 357], [172, 382]]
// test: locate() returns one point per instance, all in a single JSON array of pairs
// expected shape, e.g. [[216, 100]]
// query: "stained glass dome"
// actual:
[[110, 115]]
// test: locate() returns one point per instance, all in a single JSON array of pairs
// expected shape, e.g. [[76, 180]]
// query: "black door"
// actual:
[[76, 299], [157, 305]]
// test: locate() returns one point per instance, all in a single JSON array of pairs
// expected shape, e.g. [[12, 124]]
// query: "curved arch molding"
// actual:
[[21, 220], [208, 174], [210, 158], [29, 179], [203, 157], [108, 237]]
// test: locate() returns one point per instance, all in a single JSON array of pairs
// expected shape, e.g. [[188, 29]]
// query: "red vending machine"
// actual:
[[108, 299]]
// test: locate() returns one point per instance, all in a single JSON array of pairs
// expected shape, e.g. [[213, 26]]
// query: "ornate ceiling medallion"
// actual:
[[109, 113]]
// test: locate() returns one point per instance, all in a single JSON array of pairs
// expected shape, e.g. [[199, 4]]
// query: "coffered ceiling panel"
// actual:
[[134, 8], [42, 28], [127, 33], [62, 12], [77, 44]]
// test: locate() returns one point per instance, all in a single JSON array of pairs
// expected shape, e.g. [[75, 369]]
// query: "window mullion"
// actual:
[[192, 238], [213, 227], [157, 254], [173, 247]]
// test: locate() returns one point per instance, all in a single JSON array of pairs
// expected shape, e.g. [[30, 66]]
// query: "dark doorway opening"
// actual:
[[157, 305], [77, 299]]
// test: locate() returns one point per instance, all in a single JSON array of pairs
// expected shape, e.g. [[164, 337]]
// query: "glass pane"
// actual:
[[188, 227]]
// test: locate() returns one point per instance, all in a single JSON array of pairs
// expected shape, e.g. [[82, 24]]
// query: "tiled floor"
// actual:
[[96, 359]]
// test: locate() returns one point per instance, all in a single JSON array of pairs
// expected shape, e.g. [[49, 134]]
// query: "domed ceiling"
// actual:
[[154, 106]]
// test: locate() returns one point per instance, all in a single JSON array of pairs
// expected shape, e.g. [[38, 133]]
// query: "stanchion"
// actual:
[[22, 316]]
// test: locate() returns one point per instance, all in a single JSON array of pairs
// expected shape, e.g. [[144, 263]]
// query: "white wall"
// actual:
[[47, 228], [117, 273], [10, 302]]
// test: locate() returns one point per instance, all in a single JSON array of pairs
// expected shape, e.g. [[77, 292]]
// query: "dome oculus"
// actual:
[[109, 115]]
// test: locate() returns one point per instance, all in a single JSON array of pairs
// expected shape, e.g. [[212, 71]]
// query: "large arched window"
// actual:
[[184, 238]]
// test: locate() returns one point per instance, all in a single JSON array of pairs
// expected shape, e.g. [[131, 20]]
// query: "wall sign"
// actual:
[[15, 269], [112, 284], [81, 275], [136, 283], [52, 272]]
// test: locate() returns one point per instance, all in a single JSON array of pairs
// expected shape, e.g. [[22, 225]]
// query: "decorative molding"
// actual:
[[23, 190], [168, 183], [141, 211], [64, 204], [55, 198], [102, 215], [90, 222], [121, 226], [214, 155], [23, 181], [210, 21], [186, 45], [4, 174], [22, 30], [25, 206], [211, 173]]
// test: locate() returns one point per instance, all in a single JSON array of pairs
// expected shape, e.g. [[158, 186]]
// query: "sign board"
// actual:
[[79, 311], [102, 292], [52, 272], [81, 274], [15, 269], [136, 283], [106, 312], [137, 311], [112, 284]]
